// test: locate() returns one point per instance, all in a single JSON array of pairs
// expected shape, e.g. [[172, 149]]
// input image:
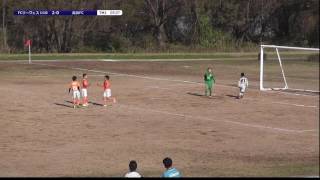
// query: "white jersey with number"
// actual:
[[243, 84]]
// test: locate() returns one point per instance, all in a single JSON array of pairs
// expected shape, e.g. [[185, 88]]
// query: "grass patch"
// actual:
[[93, 56]]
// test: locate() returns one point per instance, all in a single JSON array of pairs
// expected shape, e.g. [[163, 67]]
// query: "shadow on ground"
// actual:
[[90, 102], [196, 94], [232, 96], [70, 104], [64, 105], [96, 104], [204, 96]]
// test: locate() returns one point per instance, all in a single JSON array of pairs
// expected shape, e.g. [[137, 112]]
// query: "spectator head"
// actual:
[[74, 78], [167, 162], [133, 166]]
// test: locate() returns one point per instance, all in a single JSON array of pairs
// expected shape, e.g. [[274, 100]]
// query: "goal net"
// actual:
[[284, 68]]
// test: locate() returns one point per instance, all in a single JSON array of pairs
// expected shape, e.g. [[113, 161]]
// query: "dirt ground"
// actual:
[[161, 111]]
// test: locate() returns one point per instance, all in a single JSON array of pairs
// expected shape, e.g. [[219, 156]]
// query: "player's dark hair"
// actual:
[[242, 74], [84, 74], [167, 162], [107, 77], [74, 78], [133, 165]]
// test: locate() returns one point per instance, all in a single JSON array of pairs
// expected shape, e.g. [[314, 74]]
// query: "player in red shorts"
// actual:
[[84, 91]]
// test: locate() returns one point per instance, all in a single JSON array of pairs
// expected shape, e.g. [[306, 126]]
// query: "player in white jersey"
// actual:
[[133, 170], [242, 84]]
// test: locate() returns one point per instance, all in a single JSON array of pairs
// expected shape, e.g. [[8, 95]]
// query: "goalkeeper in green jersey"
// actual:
[[209, 81]]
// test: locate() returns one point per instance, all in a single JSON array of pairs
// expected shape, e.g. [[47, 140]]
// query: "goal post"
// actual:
[[285, 85]]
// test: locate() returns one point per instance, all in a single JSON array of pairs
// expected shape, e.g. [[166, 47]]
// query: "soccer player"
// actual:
[[170, 171], [75, 87], [133, 170], [242, 84], [107, 91], [84, 91], [209, 81]]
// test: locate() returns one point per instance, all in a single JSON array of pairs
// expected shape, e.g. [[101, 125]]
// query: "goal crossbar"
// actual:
[[262, 88], [288, 47]]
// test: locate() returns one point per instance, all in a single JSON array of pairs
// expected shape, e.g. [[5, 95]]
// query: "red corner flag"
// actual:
[[27, 42]]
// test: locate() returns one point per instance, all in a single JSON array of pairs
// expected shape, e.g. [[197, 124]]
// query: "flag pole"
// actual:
[[29, 53]]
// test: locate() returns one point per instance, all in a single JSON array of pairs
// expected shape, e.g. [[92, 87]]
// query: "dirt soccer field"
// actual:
[[160, 112]]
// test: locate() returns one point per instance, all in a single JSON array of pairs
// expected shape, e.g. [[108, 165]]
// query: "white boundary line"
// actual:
[[146, 77], [153, 78], [142, 60], [287, 93], [53, 60], [189, 116], [223, 121], [135, 60], [45, 76], [299, 105], [273, 102], [176, 60], [122, 74], [156, 87]]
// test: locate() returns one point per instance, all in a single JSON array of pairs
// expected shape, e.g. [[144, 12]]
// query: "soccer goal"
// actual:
[[289, 68]]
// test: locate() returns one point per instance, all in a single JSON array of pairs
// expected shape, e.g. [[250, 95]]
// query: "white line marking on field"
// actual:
[[147, 77], [250, 99], [52, 60], [156, 87], [123, 74], [37, 76], [284, 103], [171, 85], [132, 60], [182, 59], [175, 60], [102, 75], [224, 121], [299, 105], [45, 76], [143, 77], [288, 93], [141, 60]]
